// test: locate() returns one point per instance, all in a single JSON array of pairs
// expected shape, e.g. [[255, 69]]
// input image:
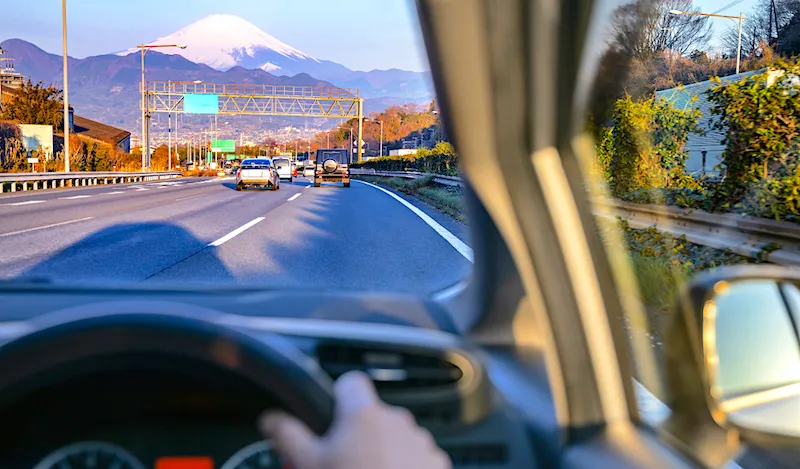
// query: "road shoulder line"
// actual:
[[454, 241]]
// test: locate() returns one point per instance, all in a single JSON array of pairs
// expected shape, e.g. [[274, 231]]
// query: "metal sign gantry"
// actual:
[[257, 100]]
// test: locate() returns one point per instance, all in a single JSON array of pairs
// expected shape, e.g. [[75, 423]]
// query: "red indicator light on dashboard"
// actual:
[[185, 462]]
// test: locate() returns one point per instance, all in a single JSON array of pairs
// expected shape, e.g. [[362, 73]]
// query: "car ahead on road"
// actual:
[[332, 167], [308, 170], [257, 172], [284, 167]]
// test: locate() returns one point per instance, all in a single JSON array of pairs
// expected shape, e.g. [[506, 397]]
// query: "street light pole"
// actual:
[[169, 127], [145, 128], [740, 18], [66, 86], [145, 140], [739, 44], [381, 123]]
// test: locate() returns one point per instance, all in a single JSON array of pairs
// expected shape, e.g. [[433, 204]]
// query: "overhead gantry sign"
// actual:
[[253, 100]]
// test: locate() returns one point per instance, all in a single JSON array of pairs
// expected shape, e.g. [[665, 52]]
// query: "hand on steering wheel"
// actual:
[[366, 434]]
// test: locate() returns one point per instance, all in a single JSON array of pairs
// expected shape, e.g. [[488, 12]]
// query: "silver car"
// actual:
[[257, 172]]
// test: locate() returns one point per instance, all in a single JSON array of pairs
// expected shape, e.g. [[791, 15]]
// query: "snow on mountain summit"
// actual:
[[225, 41]]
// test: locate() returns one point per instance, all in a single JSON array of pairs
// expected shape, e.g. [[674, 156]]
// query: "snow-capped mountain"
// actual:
[[226, 41]]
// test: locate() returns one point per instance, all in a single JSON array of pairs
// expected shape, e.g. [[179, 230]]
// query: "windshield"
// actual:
[[232, 85], [252, 164], [339, 156]]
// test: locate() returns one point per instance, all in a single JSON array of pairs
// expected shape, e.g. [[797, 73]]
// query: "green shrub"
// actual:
[[441, 159], [647, 144], [761, 117]]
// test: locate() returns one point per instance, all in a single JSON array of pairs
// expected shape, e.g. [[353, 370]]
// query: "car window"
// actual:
[[695, 158]]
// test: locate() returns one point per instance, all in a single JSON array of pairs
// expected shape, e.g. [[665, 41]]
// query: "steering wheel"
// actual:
[[270, 361]]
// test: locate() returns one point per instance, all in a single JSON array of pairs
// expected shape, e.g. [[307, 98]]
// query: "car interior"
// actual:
[[525, 364]]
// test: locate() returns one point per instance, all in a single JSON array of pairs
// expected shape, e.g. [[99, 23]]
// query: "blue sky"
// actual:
[[388, 34], [360, 34]]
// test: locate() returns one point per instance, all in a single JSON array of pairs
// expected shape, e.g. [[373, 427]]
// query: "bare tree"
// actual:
[[645, 28], [756, 28]]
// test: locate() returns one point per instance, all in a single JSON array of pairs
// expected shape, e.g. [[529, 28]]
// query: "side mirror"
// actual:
[[748, 318]]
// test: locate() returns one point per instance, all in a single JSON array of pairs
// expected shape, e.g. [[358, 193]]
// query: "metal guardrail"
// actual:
[[12, 182], [757, 238], [438, 178]]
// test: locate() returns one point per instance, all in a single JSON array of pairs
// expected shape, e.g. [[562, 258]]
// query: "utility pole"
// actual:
[[66, 86]]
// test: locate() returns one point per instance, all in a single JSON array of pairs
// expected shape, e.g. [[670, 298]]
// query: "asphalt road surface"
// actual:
[[201, 231]]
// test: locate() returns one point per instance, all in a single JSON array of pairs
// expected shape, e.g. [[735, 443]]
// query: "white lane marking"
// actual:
[[236, 232], [2, 235], [112, 193], [294, 197], [27, 202], [459, 245], [75, 197], [308, 186]]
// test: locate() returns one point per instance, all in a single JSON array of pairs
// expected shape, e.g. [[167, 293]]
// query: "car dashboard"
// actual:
[[176, 413]]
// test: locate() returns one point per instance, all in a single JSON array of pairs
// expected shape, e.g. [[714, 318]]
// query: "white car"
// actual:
[[308, 170], [284, 167], [257, 172]]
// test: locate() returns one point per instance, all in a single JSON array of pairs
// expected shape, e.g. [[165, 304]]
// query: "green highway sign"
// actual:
[[231, 157], [223, 146]]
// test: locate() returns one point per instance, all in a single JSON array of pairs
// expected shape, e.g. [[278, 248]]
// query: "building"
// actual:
[[8, 75], [705, 150], [402, 152], [117, 138]]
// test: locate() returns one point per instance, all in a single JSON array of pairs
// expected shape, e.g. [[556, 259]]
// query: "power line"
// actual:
[[732, 4]]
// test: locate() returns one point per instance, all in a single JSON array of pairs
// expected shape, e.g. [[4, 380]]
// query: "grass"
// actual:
[[447, 199]]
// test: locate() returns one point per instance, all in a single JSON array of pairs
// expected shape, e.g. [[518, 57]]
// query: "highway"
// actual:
[[202, 231]]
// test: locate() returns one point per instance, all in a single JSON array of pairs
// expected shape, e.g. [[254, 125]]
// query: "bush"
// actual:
[[646, 145], [761, 116], [441, 159]]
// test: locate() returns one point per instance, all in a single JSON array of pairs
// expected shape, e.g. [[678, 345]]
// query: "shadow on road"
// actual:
[[128, 253]]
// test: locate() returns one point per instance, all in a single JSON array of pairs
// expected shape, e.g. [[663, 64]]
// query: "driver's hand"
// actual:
[[366, 434]]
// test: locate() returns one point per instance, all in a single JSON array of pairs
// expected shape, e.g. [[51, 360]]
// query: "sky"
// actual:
[[360, 34]]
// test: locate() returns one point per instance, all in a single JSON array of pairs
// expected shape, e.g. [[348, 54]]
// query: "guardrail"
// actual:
[[757, 238], [10, 182]]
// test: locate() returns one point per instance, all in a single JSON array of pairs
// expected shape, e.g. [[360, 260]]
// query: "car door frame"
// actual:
[[513, 80]]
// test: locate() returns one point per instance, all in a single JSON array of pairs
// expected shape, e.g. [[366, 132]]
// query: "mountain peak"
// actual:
[[223, 41]]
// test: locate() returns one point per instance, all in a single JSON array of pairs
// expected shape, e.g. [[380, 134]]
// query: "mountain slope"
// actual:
[[106, 87]]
